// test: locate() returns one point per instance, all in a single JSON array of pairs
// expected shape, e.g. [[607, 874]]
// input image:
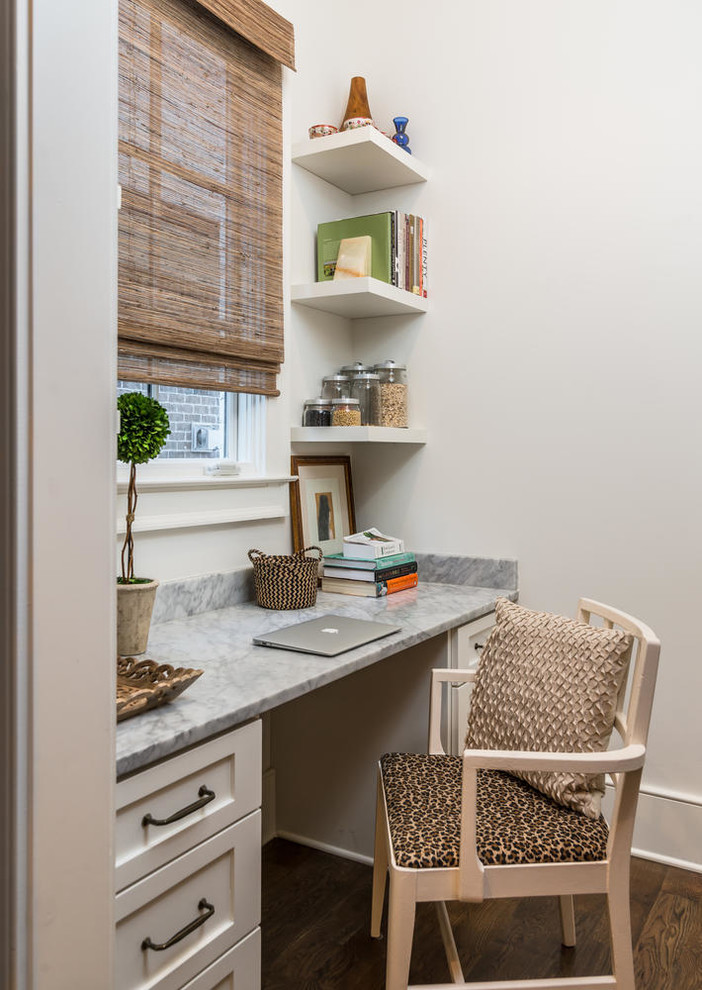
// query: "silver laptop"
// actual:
[[328, 636]]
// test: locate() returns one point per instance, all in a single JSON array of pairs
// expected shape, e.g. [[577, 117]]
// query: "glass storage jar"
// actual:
[[366, 388], [336, 387], [316, 412], [345, 412], [393, 394]]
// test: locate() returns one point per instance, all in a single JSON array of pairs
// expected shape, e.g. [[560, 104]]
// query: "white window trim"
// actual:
[[189, 503], [177, 482]]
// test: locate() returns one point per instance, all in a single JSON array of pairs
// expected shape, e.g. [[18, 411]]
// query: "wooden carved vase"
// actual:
[[357, 107]]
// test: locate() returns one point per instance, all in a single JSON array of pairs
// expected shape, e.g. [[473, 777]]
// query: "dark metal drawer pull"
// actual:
[[148, 944], [205, 795], [479, 646]]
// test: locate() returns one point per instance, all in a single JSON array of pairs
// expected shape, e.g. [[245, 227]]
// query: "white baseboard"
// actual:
[[668, 827], [682, 864], [303, 840]]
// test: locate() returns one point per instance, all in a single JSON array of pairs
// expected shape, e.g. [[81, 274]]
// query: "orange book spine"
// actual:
[[398, 584]]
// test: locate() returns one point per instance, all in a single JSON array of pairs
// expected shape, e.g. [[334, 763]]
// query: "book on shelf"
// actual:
[[379, 573], [409, 260], [371, 543], [370, 589], [365, 563], [398, 248], [412, 280]]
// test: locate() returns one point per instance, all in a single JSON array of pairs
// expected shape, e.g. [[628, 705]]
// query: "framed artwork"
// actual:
[[321, 502]]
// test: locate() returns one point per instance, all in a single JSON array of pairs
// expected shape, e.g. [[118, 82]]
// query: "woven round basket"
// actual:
[[285, 580]]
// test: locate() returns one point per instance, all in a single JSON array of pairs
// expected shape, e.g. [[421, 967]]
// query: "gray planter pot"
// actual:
[[135, 603]]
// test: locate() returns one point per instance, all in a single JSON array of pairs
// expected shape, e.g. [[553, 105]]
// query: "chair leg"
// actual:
[[401, 911], [380, 868], [565, 902], [620, 930]]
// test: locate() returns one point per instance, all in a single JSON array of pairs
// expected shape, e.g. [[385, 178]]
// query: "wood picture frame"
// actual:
[[322, 509]]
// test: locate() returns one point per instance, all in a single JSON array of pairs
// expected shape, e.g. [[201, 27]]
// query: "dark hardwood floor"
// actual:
[[316, 911]]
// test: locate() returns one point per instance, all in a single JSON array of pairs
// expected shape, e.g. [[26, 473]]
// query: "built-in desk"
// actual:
[[241, 681], [328, 721]]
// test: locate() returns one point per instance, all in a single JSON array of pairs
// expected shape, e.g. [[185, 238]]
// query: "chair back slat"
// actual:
[[620, 725], [621, 722], [633, 717]]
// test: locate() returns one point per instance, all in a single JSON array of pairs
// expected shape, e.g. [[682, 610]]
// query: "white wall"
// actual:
[[557, 370]]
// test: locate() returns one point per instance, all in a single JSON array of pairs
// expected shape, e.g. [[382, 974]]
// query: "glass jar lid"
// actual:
[[318, 401], [355, 368], [389, 366], [366, 376], [344, 402], [335, 378]]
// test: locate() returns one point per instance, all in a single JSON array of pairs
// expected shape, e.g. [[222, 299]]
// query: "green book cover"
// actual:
[[366, 563], [329, 235]]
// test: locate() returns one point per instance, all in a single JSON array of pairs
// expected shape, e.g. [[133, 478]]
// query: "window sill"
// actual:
[[201, 482], [193, 520], [190, 503]]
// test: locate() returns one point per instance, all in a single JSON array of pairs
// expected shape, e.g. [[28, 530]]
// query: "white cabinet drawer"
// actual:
[[466, 646], [238, 969], [468, 640], [224, 872], [229, 767]]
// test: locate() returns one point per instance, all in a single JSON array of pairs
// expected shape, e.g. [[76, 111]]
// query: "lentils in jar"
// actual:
[[346, 412]]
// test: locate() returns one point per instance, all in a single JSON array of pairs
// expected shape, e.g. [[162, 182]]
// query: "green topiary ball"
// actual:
[[144, 428]]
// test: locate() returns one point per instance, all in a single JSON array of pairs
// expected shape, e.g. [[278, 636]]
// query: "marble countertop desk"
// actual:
[[241, 681]]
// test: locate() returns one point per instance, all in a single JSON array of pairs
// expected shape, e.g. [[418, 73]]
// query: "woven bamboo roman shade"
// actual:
[[200, 165]]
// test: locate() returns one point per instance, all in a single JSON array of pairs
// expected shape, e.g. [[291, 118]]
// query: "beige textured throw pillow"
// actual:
[[545, 682]]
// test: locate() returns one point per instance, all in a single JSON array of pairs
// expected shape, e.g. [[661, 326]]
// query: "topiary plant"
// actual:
[[144, 428]]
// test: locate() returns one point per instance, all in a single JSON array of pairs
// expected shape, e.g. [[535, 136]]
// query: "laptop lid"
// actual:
[[327, 636]]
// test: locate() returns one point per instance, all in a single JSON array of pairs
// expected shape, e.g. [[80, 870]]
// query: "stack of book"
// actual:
[[398, 248], [370, 569]]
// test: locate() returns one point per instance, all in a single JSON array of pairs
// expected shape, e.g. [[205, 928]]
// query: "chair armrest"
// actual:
[[471, 870], [442, 675], [611, 761]]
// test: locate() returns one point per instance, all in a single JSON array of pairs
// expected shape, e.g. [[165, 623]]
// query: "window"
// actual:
[[208, 425]]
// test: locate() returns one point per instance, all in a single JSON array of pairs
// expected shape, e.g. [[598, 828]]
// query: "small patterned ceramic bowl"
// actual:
[[354, 122], [322, 130]]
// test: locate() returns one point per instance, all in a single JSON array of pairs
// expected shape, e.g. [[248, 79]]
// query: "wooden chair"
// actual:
[[471, 880]]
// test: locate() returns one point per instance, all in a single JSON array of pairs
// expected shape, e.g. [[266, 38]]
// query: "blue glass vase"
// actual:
[[399, 137]]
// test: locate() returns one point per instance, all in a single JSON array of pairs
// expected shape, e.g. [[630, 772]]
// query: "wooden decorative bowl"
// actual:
[[145, 684]]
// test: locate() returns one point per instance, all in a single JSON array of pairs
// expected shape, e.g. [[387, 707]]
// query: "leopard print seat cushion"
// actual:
[[515, 823]]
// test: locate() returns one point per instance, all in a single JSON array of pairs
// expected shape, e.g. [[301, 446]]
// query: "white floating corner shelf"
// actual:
[[358, 298], [357, 434], [359, 161]]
